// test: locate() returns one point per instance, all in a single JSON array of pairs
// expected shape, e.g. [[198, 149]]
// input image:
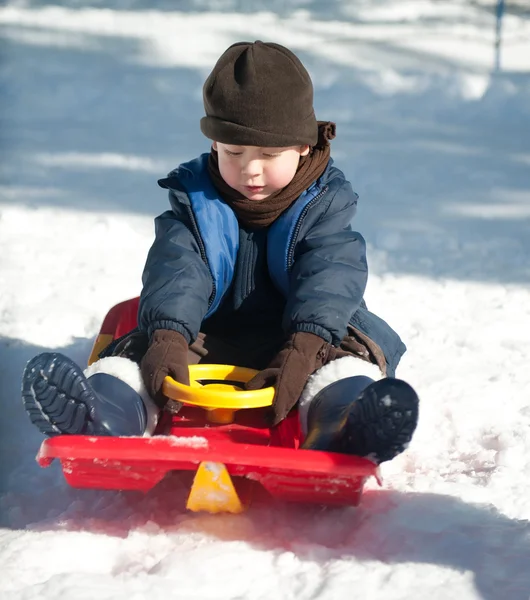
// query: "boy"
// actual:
[[255, 264]]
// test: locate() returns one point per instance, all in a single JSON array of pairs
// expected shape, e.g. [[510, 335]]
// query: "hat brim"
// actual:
[[227, 132]]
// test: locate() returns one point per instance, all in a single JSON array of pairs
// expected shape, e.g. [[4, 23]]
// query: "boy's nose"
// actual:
[[252, 168]]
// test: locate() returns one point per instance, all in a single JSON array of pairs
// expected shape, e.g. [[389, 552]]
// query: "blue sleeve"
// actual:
[[329, 274], [177, 284]]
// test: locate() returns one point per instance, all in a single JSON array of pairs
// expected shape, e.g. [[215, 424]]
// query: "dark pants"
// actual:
[[254, 349]]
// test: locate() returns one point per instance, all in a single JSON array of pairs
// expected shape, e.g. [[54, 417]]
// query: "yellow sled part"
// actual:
[[102, 341], [213, 491]]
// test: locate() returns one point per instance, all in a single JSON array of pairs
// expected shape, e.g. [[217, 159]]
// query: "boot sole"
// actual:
[[382, 420], [56, 395]]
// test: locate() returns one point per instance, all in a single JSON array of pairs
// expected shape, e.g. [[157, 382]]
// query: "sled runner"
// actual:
[[218, 437]]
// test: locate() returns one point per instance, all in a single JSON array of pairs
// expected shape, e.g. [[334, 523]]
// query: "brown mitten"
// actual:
[[167, 355], [302, 355]]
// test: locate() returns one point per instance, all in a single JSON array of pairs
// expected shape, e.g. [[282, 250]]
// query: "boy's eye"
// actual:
[[271, 155], [230, 153]]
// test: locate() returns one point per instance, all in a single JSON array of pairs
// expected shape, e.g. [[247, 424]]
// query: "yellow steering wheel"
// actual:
[[220, 399]]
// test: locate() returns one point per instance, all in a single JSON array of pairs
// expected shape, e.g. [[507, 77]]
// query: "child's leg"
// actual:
[[357, 415], [342, 368], [109, 398]]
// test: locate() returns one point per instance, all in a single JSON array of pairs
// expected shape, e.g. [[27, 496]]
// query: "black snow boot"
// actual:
[[60, 399], [378, 423]]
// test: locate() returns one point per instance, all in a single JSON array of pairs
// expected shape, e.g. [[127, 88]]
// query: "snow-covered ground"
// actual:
[[100, 99]]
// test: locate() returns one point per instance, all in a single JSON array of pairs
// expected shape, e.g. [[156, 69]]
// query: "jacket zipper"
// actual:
[[202, 250], [250, 264], [292, 243]]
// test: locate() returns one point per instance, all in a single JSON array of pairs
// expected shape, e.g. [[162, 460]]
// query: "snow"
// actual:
[[193, 441], [101, 98]]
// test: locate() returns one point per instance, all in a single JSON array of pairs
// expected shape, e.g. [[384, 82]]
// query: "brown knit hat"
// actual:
[[259, 94]]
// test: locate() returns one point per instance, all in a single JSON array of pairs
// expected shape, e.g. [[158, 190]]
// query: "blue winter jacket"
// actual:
[[314, 258]]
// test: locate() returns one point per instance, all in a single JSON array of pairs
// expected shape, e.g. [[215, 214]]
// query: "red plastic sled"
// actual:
[[231, 463]]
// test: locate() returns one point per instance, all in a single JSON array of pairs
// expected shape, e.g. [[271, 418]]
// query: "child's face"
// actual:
[[258, 172]]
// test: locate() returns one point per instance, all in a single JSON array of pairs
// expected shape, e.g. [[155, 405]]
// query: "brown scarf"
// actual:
[[256, 214]]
